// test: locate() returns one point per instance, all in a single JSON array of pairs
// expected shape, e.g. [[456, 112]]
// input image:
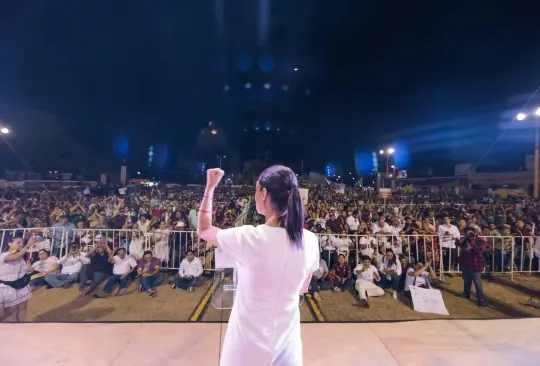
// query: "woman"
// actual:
[[391, 271], [14, 293], [341, 275], [275, 262]]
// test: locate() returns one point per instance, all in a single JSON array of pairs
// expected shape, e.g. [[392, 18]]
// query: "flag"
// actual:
[[337, 187]]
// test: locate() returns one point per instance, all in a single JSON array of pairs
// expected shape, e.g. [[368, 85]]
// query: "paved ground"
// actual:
[[504, 297]]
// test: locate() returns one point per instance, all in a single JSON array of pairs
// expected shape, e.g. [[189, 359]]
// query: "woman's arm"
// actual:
[[205, 229]]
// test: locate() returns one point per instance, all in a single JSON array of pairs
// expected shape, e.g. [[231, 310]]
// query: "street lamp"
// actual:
[[4, 130], [389, 151], [221, 157], [521, 117]]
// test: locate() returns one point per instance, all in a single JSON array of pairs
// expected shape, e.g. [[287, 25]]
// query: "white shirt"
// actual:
[[46, 265], [353, 223], [448, 241], [323, 268], [123, 266], [329, 242], [11, 271], [72, 264], [421, 279], [393, 267], [375, 228], [368, 275], [194, 268], [264, 326]]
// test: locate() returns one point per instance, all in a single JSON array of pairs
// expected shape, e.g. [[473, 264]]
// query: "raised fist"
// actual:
[[213, 177]]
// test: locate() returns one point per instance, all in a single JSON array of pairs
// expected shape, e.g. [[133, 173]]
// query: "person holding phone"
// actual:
[[275, 263], [14, 281]]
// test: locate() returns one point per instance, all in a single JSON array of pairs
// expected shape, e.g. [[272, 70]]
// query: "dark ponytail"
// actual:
[[294, 223], [282, 185]]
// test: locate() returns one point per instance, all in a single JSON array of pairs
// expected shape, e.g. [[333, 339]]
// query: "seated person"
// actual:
[[148, 269], [189, 272], [341, 275], [71, 266], [420, 276], [94, 273], [319, 281], [390, 269], [123, 267], [366, 274], [42, 267]]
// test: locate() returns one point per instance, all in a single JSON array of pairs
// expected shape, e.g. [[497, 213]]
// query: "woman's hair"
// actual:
[[393, 260], [282, 186], [44, 251], [147, 252], [365, 258]]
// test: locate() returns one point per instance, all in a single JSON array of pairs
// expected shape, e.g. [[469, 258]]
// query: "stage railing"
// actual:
[[504, 254]]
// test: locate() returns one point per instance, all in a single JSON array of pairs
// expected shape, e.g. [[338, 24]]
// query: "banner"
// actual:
[[428, 301], [385, 193], [337, 187]]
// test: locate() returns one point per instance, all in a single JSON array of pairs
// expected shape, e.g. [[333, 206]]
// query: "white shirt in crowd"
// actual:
[[375, 228], [343, 244], [330, 242], [123, 266], [367, 251], [369, 275], [391, 266], [46, 265], [448, 241], [323, 268], [321, 221], [421, 279], [193, 218], [144, 226], [353, 223], [264, 326], [194, 268], [72, 264]]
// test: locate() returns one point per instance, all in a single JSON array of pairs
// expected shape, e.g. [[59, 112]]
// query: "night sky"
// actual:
[[439, 81]]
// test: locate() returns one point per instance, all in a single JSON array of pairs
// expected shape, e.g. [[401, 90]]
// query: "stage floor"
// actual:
[[436, 342]]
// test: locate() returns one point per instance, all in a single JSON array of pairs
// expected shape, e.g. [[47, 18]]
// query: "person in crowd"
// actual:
[[329, 244], [123, 266], [95, 272], [405, 265], [63, 233], [14, 281], [390, 273], [190, 270], [319, 281], [353, 222], [472, 261], [366, 275], [42, 267], [148, 269], [71, 267], [448, 235], [341, 275], [420, 275], [193, 217]]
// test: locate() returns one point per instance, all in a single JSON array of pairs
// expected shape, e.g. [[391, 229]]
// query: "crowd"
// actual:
[[87, 237]]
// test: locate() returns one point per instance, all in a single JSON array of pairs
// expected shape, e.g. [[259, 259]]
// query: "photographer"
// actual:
[[472, 262]]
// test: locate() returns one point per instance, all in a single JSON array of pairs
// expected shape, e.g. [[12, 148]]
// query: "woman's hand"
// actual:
[[213, 177]]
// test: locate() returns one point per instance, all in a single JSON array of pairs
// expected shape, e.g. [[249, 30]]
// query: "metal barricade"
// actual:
[[504, 255], [169, 246]]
